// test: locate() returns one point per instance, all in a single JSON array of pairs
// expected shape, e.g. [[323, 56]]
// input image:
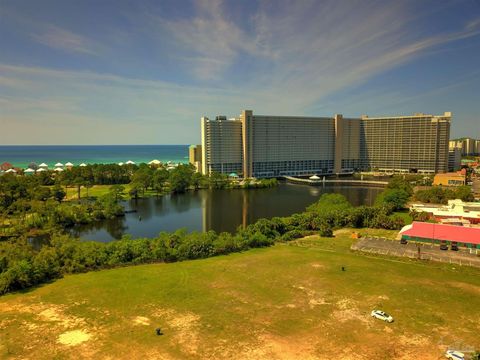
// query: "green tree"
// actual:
[[396, 198], [58, 193], [143, 177], [197, 180], [330, 203], [135, 189], [399, 183], [43, 193], [117, 192], [180, 178], [464, 193], [78, 182], [88, 185], [159, 178], [218, 180]]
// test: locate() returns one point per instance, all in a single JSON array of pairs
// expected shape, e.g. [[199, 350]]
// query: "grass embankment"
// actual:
[[290, 301]]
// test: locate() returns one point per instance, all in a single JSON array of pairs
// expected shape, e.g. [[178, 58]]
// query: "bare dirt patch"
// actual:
[[55, 313], [313, 298], [464, 286], [347, 310], [184, 327], [141, 320], [275, 347], [49, 313], [74, 337]]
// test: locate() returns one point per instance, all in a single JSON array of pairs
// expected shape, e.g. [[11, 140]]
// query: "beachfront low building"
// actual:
[[455, 209], [270, 146], [462, 236]]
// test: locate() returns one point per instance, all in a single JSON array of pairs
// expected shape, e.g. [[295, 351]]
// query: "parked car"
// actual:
[[454, 246], [381, 315], [403, 241], [443, 246], [454, 355]]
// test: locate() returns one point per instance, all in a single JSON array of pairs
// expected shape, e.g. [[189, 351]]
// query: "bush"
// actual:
[[396, 199], [292, 235], [325, 231]]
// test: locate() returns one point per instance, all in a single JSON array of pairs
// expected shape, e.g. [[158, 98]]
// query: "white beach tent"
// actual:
[[43, 166], [83, 165], [314, 177], [58, 169], [41, 169], [29, 171], [130, 162], [11, 171], [155, 162], [121, 164], [59, 165], [69, 164]]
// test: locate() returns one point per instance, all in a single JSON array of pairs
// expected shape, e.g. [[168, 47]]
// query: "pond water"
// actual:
[[219, 210]]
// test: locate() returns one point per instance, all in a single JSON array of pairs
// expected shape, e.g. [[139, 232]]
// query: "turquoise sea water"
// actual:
[[22, 155]]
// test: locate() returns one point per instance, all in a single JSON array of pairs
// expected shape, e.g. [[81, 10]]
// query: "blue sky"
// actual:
[[144, 72]]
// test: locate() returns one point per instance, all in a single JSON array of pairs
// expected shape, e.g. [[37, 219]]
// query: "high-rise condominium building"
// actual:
[[467, 146], [266, 146]]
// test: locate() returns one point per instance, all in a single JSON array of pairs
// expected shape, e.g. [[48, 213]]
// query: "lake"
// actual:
[[219, 210]]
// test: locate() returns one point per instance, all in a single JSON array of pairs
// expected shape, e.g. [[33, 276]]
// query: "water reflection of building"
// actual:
[[225, 211]]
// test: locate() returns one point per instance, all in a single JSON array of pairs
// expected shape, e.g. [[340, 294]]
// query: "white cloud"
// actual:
[[298, 52], [58, 38], [210, 41]]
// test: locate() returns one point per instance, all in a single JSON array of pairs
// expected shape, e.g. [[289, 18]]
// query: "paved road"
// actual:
[[412, 250]]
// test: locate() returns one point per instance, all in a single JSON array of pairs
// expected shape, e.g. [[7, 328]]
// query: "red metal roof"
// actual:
[[461, 234]]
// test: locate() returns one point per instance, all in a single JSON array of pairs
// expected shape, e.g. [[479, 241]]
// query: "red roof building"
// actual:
[[6, 166], [436, 233]]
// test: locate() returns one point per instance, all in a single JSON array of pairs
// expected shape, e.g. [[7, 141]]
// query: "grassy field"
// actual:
[[290, 301], [99, 190]]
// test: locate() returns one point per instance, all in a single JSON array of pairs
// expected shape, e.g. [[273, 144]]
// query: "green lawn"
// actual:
[[405, 215], [290, 301], [99, 190]]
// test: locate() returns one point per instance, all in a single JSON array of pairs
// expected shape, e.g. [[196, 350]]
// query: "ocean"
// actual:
[[22, 155]]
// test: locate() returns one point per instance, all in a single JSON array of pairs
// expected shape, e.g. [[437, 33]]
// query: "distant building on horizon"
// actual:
[[467, 146], [269, 146], [195, 156], [454, 158]]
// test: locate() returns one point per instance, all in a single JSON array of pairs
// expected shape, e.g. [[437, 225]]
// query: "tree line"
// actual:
[[37, 202], [22, 266]]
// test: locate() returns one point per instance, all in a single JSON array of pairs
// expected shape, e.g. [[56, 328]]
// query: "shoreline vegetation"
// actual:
[[36, 206], [51, 201]]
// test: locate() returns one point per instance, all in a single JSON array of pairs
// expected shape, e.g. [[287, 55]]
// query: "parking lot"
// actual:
[[417, 251]]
